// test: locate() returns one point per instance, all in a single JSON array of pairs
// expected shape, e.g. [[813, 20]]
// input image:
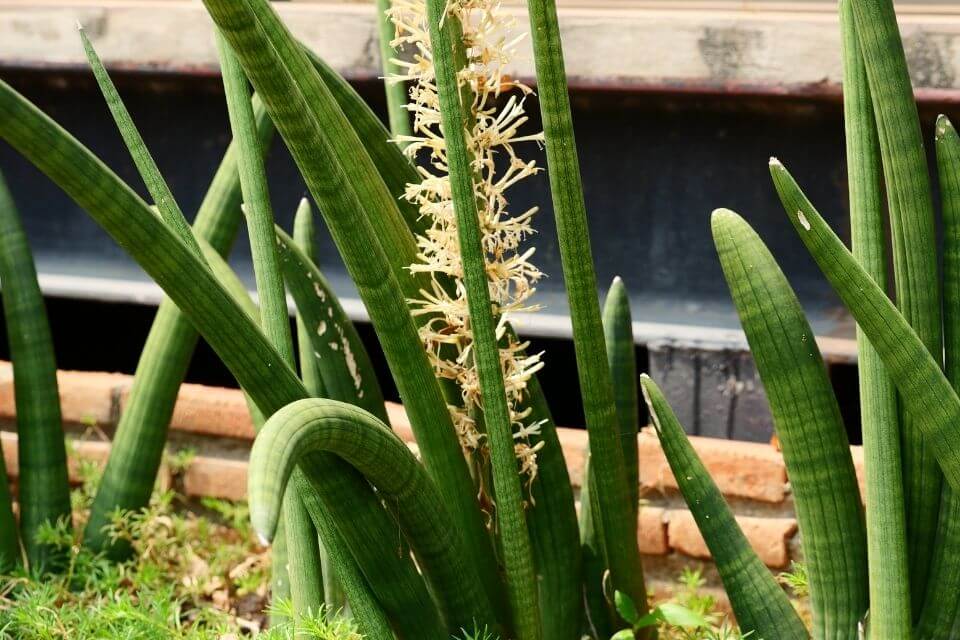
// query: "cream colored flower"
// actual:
[[492, 138]]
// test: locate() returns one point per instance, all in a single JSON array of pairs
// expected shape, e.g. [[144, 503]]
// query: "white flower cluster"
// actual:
[[492, 134]]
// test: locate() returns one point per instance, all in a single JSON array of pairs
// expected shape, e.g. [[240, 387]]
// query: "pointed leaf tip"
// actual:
[[943, 127]]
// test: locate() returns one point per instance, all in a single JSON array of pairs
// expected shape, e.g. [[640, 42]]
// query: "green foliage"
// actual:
[[757, 600]]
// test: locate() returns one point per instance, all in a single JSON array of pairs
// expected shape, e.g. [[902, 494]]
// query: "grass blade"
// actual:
[[610, 481], [926, 392], [809, 426], [44, 488], [941, 604], [886, 524], [759, 603], [909, 199], [308, 426]]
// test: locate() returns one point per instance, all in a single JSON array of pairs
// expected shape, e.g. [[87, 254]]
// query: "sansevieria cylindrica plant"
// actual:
[[886, 570], [486, 512]]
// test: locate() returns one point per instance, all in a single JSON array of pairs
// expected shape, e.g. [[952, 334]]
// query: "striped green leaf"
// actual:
[[610, 482], [343, 364], [137, 446], [941, 604], [233, 336], [923, 388], [362, 218], [508, 492], [310, 373], [909, 199], [809, 426], [44, 490], [761, 606], [309, 426], [618, 335], [553, 527], [156, 185], [886, 524]]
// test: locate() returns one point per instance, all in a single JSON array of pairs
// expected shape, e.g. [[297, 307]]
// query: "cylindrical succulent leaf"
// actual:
[[308, 426], [362, 217], [910, 203], [809, 426], [610, 482], [236, 339], [886, 524], [941, 605], [761, 606], [44, 496], [925, 391], [137, 447], [511, 521]]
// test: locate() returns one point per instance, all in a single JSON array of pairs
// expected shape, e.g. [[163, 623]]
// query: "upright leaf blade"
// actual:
[[886, 524], [44, 490], [610, 481], [759, 603], [511, 520], [925, 391], [809, 426], [909, 198], [137, 446], [941, 604], [156, 185]]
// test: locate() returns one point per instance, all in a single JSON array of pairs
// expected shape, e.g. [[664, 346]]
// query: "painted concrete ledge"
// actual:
[[731, 46], [214, 422]]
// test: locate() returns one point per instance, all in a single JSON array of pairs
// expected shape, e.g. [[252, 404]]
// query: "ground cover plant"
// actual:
[[478, 533]]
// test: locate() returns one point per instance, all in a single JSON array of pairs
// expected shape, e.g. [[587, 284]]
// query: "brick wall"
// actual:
[[215, 423]]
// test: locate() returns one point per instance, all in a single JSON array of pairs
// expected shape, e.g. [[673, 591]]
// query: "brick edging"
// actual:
[[752, 474]]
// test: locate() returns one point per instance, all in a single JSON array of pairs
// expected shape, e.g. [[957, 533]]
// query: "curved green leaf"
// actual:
[[230, 332], [809, 426], [308, 426], [338, 172]]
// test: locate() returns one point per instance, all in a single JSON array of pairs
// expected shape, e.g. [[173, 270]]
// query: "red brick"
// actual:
[[213, 411], [750, 470], [86, 397], [652, 531], [769, 537], [216, 478]]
